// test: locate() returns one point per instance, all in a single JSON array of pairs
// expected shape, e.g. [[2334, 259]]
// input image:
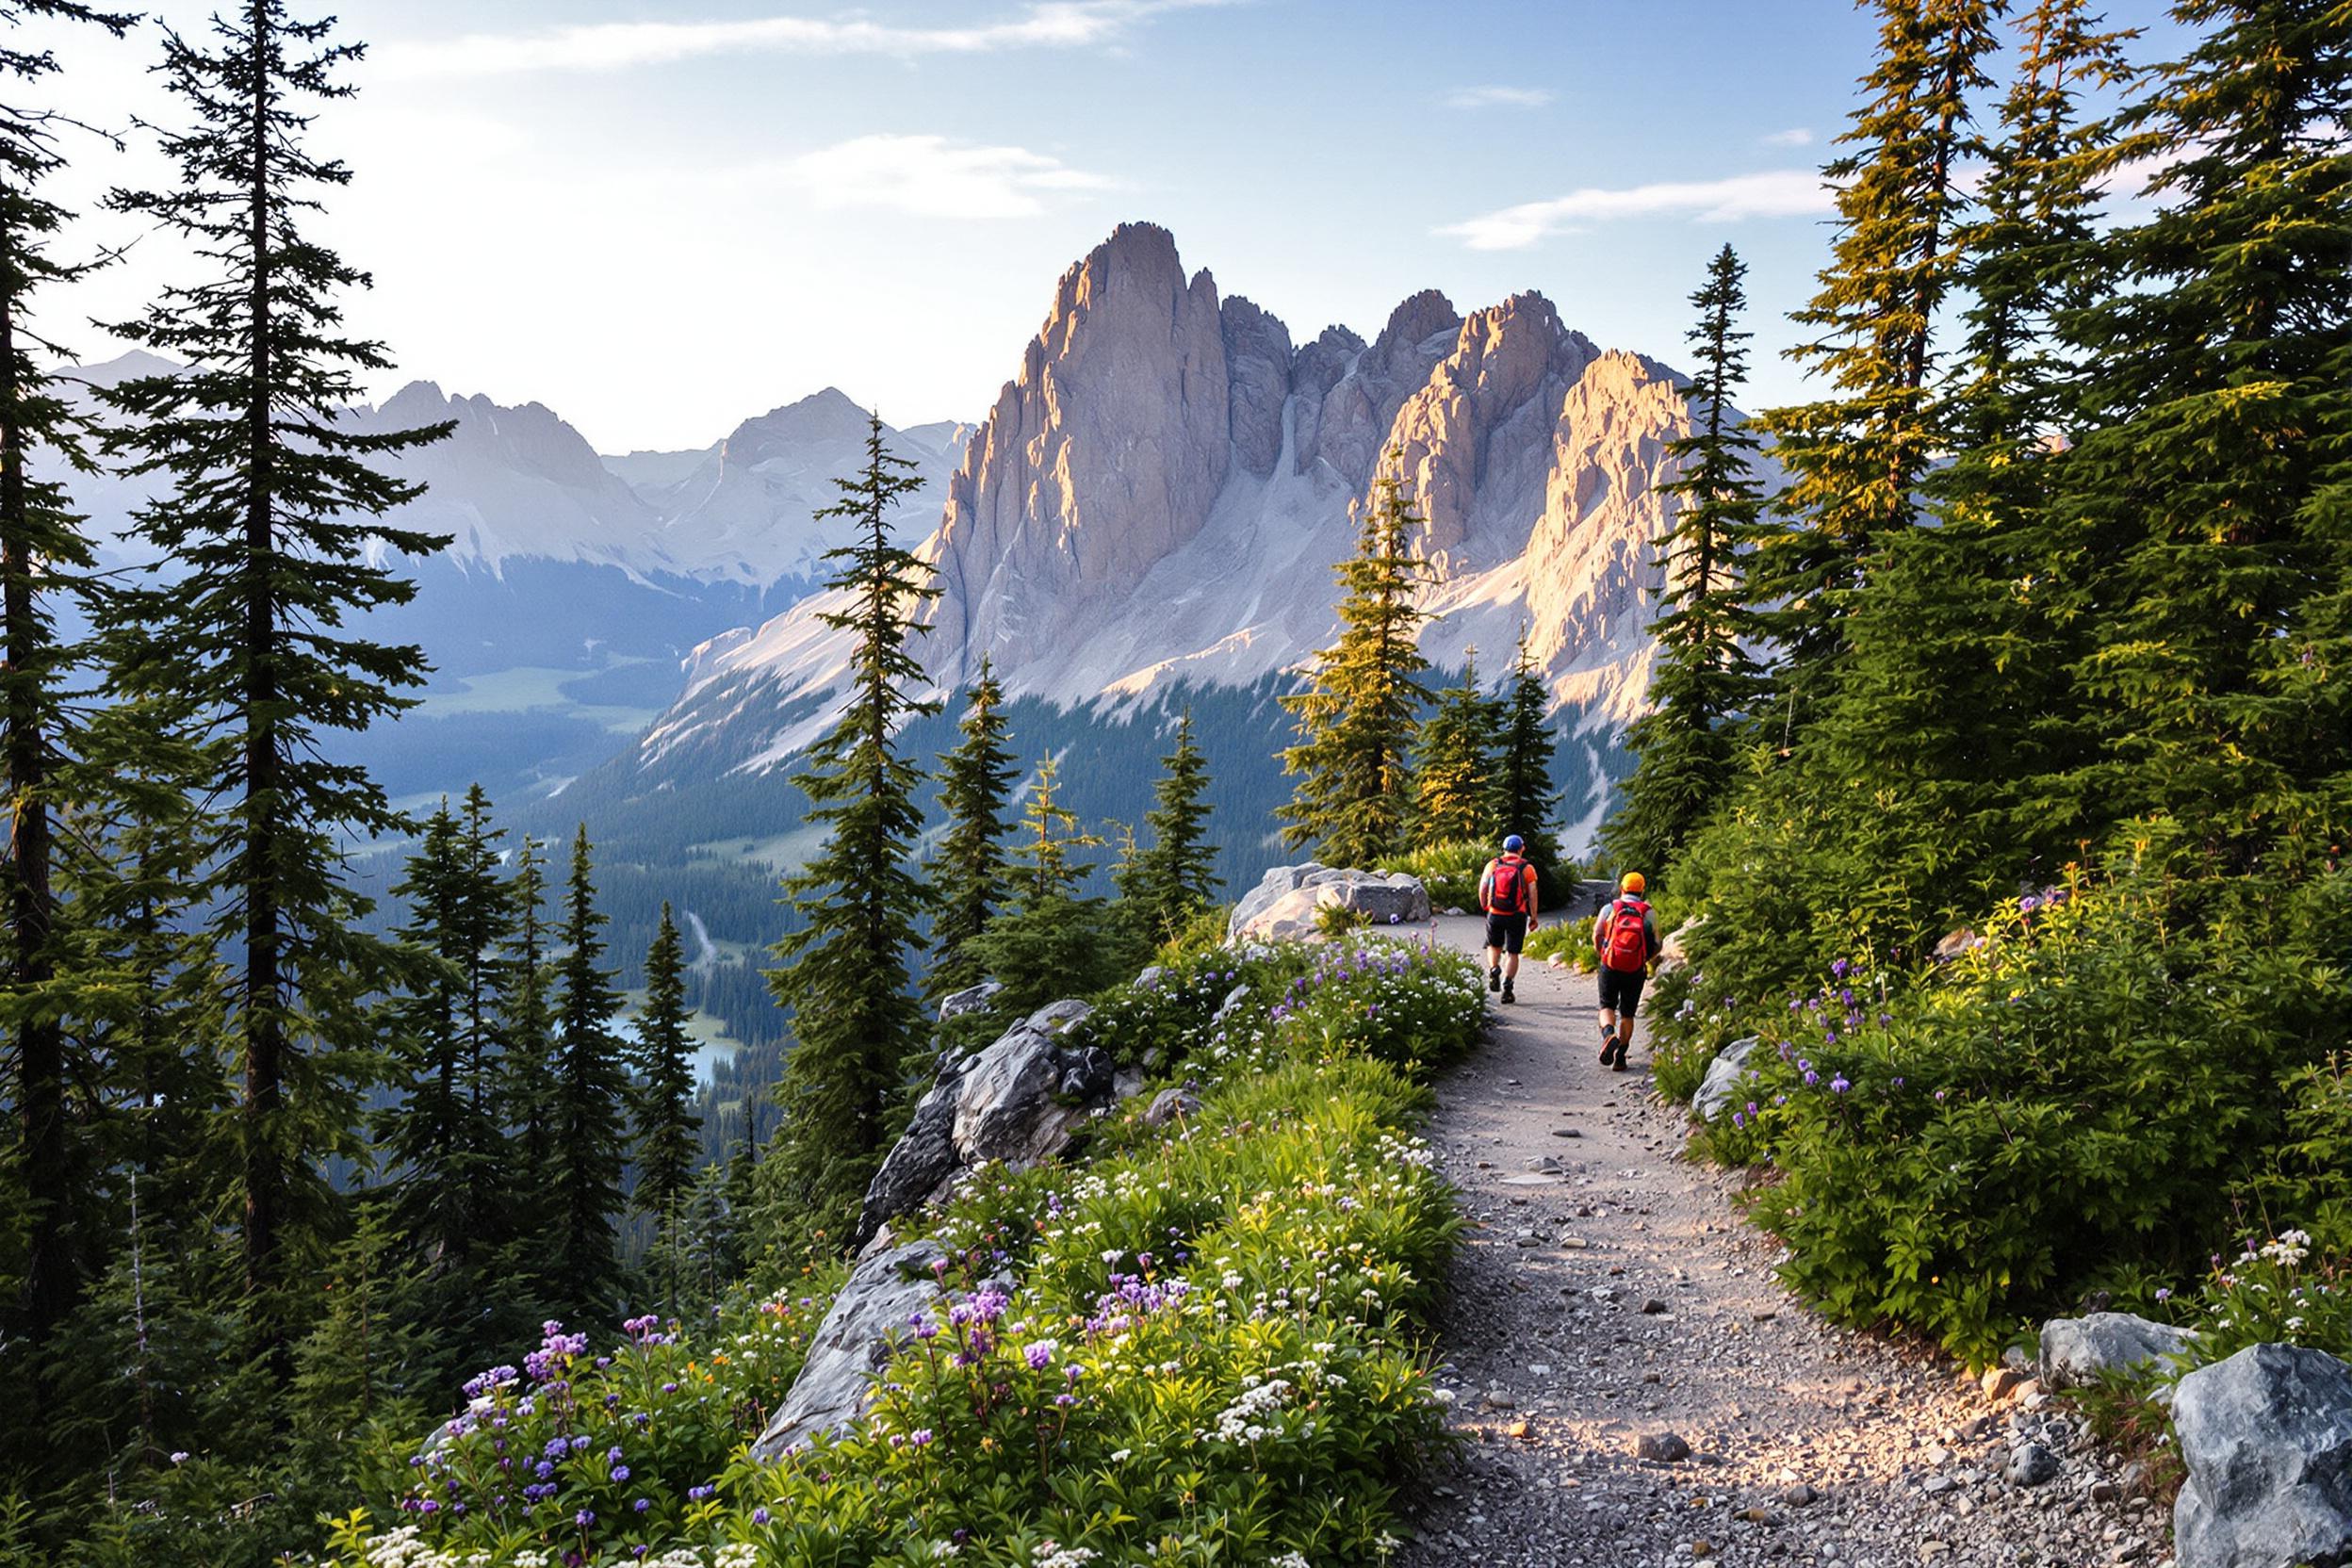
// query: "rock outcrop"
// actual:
[[2078, 1350], [860, 1332], [1018, 1101], [1287, 901], [2266, 1437]]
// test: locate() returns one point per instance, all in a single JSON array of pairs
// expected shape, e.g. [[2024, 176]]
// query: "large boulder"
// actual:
[[1287, 902], [1673, 949], [1008, 1105], [2266, 1436], [854, 1342], [1723, 1076], [2077, 1351]]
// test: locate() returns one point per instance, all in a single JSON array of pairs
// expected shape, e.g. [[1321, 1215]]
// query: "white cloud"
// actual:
[[616, 45], [1502, 97], [1796, 136], [935, 177], [1772, 193]]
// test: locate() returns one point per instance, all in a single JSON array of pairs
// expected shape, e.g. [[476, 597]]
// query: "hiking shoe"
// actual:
[[1608, 1047], [1495, 978], [1506, 994]]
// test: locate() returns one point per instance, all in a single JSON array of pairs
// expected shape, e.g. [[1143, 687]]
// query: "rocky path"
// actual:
[[1636, 1389]]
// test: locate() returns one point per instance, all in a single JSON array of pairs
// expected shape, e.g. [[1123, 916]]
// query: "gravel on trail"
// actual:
[[1634, 1387]]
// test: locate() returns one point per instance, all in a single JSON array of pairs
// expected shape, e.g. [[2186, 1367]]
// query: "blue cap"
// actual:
[[1513, 844]]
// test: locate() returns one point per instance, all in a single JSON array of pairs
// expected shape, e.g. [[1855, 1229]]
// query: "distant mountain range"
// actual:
[[1148, 515]]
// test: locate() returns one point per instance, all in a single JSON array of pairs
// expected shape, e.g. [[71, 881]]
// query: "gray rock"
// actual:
[[1799, 1496], [2076, 1350], [917, 1163], [851, 1345], [1056, 1017], [1013, 1103], [1720, 1087], [971, 999], [1287, 901], [1661, 1447], [1233, 998], [2030, 1465], [1673, 949], [1168, 1105], [2266, 1436], [1278, 881], [1150, 979]]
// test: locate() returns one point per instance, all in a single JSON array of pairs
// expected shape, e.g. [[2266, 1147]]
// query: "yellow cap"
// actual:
[[1632, 884]]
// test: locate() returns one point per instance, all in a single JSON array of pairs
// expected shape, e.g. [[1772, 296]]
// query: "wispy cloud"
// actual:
[[1774, 193], [1796, 136], [935, 177], [1500, 97], [618, 45]]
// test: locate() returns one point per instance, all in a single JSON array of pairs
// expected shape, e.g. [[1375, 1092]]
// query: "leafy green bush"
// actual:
[[1570, 939], [1210, 1355], [1450, 871], [2073, 1105]]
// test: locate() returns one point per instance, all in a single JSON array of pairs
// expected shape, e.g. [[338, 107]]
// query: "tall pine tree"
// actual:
[[1855, 458], [1355, 721], [271, 513], [1525, 801], [46, 564], [2208, 498], [845, 975], [588, 1103], [1704, 680], [666, 1124], [527, 1021], [969, 870]]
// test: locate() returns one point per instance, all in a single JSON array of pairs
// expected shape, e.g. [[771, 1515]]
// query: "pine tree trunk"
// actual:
[[263, 1019], [48, 1285]]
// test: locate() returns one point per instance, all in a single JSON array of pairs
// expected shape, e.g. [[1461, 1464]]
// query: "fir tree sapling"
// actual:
[[1454, 795], [1173, 879], [1051, 943], [271, 507], [845, 975], [1354, 721]]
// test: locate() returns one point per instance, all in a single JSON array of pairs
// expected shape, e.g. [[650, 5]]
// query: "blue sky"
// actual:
[[661, 218]]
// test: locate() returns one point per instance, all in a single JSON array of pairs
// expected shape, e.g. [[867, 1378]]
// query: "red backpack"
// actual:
[[1506, 886], [1629, 947]]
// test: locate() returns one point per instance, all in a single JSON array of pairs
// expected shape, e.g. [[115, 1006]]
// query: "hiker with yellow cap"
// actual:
[[1626, 942]]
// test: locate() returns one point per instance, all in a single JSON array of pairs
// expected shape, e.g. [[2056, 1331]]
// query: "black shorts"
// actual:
[[1620, 989], [1507, 932]]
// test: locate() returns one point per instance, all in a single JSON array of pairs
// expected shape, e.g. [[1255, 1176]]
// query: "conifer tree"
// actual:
[[2207, 497], [271, 510], [527, 1018], [1855, 458], [46, 565], [1525, 801], [1355, 721], [666, 1124], [1454, 771], [1051, 943], [969, 869], [1177, 875], [844, 974], [589, 1097], [1955, 703], [1704, 680]]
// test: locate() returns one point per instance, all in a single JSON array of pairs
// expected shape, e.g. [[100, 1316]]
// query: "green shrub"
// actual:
[[1570, 939], [2074, 1106], [1450, 871]]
